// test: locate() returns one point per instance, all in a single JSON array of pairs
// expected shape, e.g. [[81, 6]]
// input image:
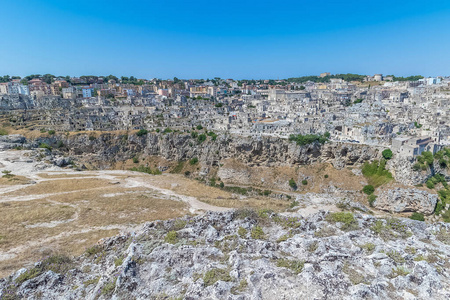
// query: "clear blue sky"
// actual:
[[228, 39]]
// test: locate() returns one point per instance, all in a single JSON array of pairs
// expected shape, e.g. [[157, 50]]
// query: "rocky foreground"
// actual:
[[245, 254]]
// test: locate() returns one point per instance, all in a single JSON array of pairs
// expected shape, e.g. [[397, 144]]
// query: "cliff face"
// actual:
[[105, 149], [177, 147]]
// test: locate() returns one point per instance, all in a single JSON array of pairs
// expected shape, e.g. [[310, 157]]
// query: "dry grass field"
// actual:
[[66, 214], [67, 211]]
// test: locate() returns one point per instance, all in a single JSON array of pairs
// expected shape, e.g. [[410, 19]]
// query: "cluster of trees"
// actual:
[[49, 78], [8, 78], [131, 80], [306, 139], [409, 78]]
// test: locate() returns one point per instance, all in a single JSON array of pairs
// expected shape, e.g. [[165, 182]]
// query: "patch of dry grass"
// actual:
[[93, 209], [32, 212], [60, 186], [51, 175], [13, 180]]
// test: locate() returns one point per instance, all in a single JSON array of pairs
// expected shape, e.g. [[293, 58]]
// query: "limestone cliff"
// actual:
[[265, 151]]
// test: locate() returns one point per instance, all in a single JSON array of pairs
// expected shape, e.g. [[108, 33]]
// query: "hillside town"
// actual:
[[410, 115]]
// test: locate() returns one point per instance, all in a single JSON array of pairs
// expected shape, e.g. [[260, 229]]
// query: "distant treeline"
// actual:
[[346, 77], [49, 78], [409, 78]]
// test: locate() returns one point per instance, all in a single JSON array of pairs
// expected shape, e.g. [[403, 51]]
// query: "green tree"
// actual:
[[387, 153], [292, 184], [368, 189]]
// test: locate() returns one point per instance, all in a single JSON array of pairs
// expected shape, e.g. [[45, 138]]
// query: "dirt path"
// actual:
[[20, 164]]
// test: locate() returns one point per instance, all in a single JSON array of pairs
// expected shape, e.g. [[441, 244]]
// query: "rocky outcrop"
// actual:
[[248, 255], [406, 200], [266, 151], [404, 173], [13, 102], [11, 141]]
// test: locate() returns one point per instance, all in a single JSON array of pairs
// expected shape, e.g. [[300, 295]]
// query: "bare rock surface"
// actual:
[[252, 255], [406, 200]]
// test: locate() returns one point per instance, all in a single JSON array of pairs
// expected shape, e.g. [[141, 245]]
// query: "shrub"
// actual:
[[146, 169], [368, 189], [118, 261], [45, 146], [108, 288], [257, 233], [94, 250], [201, 138], [326, 176], [396, 256], [369, 247], [243, 284], [58, 263], [199, 127], [267, 192], [347, 218], [292, 184], [242, 232], [446, 216], [376, 173], [214, 275], [296, 266], [178, 224], [222, 185], [193, 161], [399, 271], [60, 144], [142, 132], [94, 280], [194, 134], [387, 154], [430, 184], [417, 216], [8, 174], [372, 199], [236, 190], [187, 173], [304, 182], [171, 237], [135, 160], [284, 237], [51, 132]]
